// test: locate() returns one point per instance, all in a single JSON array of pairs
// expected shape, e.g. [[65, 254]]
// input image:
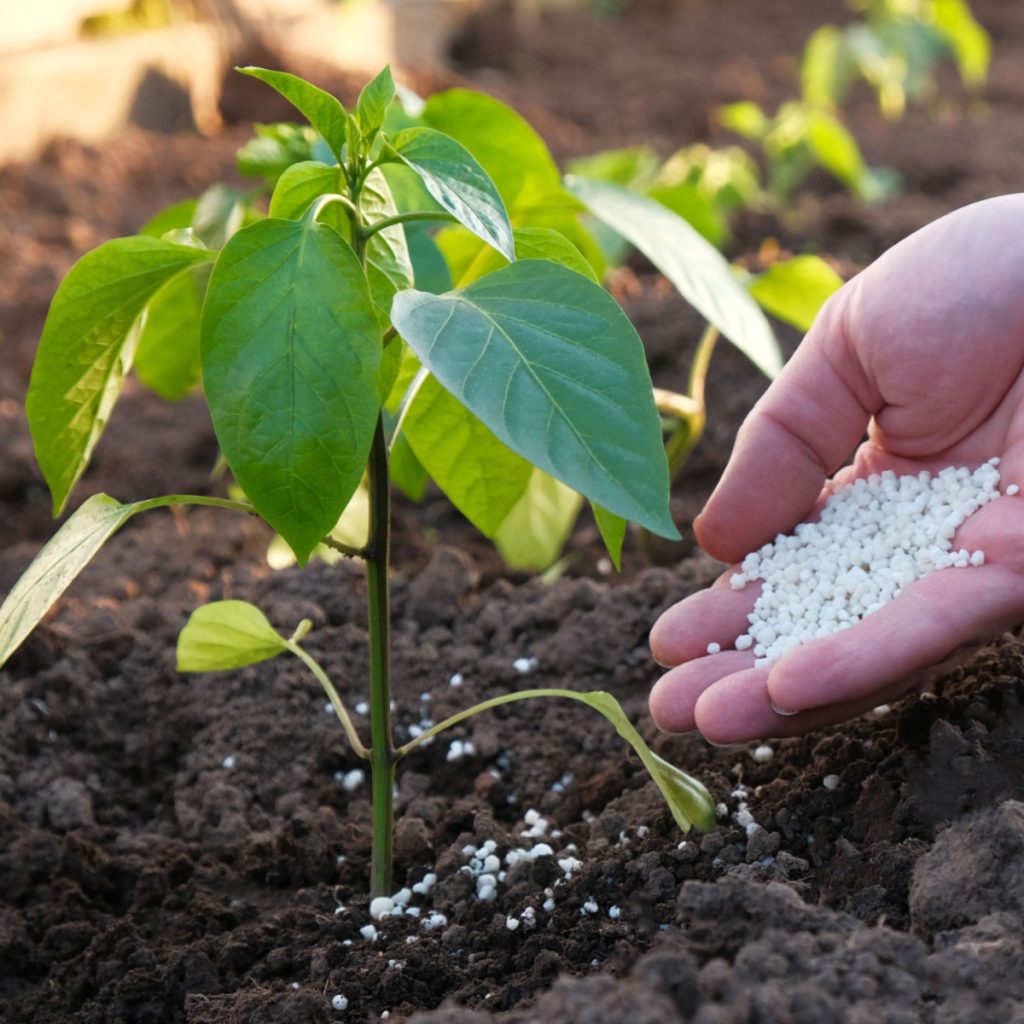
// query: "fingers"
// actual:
[[716, 615], [931, 618], [738, 709], [798, 434], [674, 697]]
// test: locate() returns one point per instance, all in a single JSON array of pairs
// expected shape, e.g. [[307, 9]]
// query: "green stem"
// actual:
[[194, 499], [343, 548], [382, 750], [689, 429], [405, 218], [333, 696]]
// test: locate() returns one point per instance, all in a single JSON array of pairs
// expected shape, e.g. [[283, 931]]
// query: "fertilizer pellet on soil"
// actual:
[[875, 537]]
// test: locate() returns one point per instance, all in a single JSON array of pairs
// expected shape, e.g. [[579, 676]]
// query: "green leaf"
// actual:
[[837, 151], [407, 471], [430, 270], [353, 528], [970, 43], [87, 347], [52, 571], [373, 103], [699, 211], [453, 177], [548, 360], [227, 634], [632, 167], [745, 118], [513, 155], [691, 263], [533, 534], [299, 186], [220, 213], [531, 244], [291, 353], [688, 800], [321, 109], [388, 263], [821, 69], [794, 290], [167, 357], [173, 218], [274, 149], [613, 532], [482, 477]]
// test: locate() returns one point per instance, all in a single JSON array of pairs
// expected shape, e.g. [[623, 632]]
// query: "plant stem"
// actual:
[[688, 431], [382, 750], [405, 218]]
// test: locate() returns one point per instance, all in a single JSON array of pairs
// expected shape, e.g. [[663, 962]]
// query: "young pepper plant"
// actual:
[[306, 318]]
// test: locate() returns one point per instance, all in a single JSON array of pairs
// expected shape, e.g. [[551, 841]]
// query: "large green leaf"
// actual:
[[323, 111], [690, 262], [388, 263], [291, 351], [167, 357], [482, 477], [548, 360], [87, 348], [227, 634], [456, 180], [533, 534], [67, 552], [794, 290]]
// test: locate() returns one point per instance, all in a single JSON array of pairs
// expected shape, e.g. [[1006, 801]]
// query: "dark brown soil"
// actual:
[[184, 849]]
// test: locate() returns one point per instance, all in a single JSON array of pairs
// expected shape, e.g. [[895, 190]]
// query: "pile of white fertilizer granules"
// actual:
[[875, 537]]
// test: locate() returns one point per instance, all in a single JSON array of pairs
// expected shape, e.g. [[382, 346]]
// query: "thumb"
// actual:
[[799, 433]]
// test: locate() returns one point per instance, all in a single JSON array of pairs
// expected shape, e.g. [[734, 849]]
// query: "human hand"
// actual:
[[925, 349]]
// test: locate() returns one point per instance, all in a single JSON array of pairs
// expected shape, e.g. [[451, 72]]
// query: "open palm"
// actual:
[[925, 349]]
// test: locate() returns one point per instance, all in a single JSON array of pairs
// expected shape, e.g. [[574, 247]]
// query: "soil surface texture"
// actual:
[[195, 848]]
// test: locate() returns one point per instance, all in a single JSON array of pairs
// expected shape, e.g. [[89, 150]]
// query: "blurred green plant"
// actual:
[[896, 49]]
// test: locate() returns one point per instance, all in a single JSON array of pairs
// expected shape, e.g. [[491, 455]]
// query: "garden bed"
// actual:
[[178, 848]]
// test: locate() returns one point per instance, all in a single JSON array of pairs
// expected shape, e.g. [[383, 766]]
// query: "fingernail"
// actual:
[[785, 714]]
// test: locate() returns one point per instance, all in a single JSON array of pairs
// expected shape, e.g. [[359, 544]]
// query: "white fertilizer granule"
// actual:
[[875, 537]]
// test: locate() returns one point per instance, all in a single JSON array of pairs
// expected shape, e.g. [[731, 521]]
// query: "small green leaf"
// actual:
[[87, 348], [430, 269], [688, 800], [274, 149], [454, 178], [167, 358], [227, 634], [535, 531], [299, 186], [550, 363], [822, 68], [482, 477], [745, 118], [837, 151], [291, 354], [220, 212], [372, 106], [691, 263], [970, 43], [323, 111], [613, 532], [52, 571], [173, 218], [794, 290]]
